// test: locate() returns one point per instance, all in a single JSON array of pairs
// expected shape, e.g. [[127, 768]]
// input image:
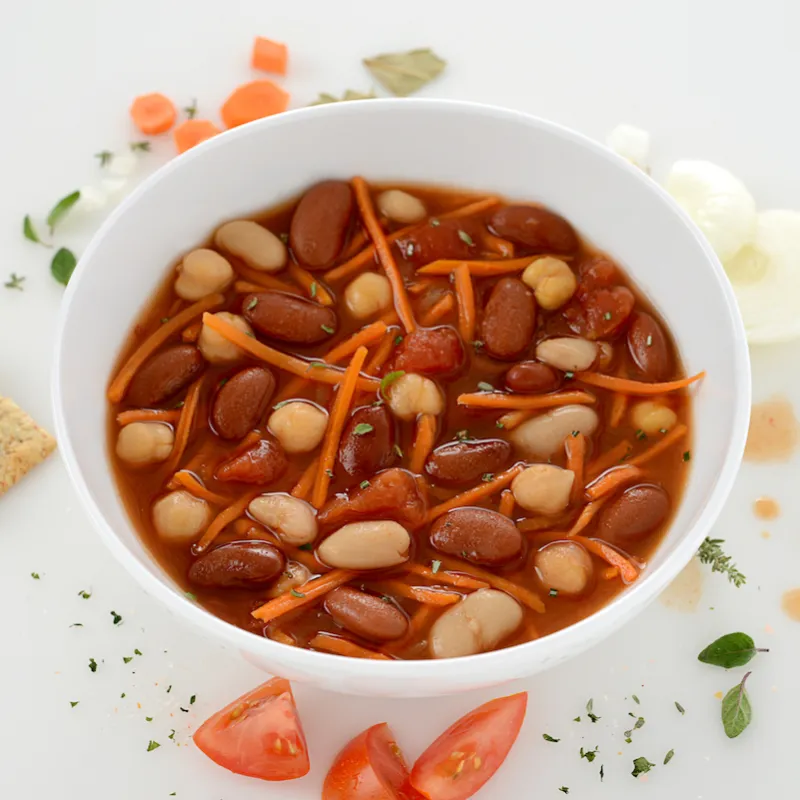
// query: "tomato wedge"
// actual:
[[470, 751], [258, 735], [369, 767]]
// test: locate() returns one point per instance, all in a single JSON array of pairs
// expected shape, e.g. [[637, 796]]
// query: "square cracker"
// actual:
[[23, 444]]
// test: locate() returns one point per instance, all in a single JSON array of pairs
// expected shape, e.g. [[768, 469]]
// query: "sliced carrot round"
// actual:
[[193, 131], [252, 101], [269, 56], [153, 113]]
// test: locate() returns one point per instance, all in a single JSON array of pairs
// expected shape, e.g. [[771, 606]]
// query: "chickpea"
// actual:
[[368, 294], [294, 574], [295, 521], [543, 488], [412, 394], [181, 517], [476, 624], [145, 442], [605, 354], [565, 567], [567, 353], [299, 426], [216, 349], [543, 436], [377, 544], [552, 281], [202, 272], [652, 417], [258, 247], [400, 206]]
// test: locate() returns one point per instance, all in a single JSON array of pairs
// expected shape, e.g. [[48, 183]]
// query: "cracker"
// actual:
[[23, 444]]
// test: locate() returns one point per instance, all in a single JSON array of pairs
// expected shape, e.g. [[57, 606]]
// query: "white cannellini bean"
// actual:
[[299, 426], [567, 353], [377, 544], [552, 281], [258, 247], [181, 517], [543, 488], [400, 206], [652, 417], [413, 394], [294, 520], [216, 349], [476, 624], [543, 436], [145, 442], [202, 272], [564, 566], [368, 294], [294, 574]]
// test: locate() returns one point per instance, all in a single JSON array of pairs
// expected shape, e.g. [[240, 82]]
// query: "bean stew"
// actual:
[[400, 422]]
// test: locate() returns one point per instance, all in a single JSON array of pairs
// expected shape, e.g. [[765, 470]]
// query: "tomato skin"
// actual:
[[258, 735], [369, 767], [470, 751]]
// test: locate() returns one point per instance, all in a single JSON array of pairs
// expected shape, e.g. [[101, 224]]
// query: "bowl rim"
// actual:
[[609, 617]]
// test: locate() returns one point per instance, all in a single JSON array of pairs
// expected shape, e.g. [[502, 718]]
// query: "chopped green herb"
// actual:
[[35, 576], [117, 617], [680, 707], [191, 109], [731, 650], [92, 665], [169, 688], [576, 719], [435, 223], [137, 652], [190, 596], [15, 282], [662, 430], [736, 709], [363, 484], [477, 344], [308, 547], [398, 340], [649, 341], [564, 789], [466, 238], [63, 265], [313, 285], [687, 455], [463, 435], [575, 434], [172, 736], [148, 719], [329, 473], [607, 315], [140, 147], [389, 379], [435, 566], [192, 699], [295, 593], [499, 424], [640, 435], [668, 757], [635, 699], [104, 157], [602, 771], [152, 746], [350, 94], [487, 477], [589, 755], [29, 232], [61, 208], [252, 304], [164, 320], [122, 695], [485, 387], [185, 710], [363, 428], [73, 703], [548, 738], [553, 593], [640, 766], [638, 724], [398, 451], [327, 329], [569, 375], [127, 659], [710, 552], [76, 625]]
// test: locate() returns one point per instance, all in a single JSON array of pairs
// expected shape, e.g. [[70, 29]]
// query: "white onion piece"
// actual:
[[631, 143], [122, 165], [115, 189], [717, 201], [92, 199], [766, 278]]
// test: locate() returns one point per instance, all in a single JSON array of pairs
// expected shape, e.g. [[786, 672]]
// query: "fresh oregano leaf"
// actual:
[[389, 379], [29, 232], [731, 650], [60, 209], [736, 710], [640, 766], [404, 73], [362, 428], [63, 265]]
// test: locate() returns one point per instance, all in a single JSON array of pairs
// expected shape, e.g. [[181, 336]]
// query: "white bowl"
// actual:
[[616, 206]]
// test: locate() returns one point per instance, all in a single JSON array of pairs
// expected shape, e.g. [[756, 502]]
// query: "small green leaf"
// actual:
[[63, 265], [191, 109], [35, 576], [466, 238], [15, 282], [640, 766], [404, 73], [553, 593], [680, 707], [29, 232], [84, 594], [668, 757], [60, 209], [327, 329], [308, 547], [635, 699], [313, 285], [137, 652], [589, 755], [687, 456], [731, 650], [363, 484], [190, 596], [92, 665], [104, 157], [127, 659], [548, 738], [117, 617], [485, 387], [564, 789], [73, 703], [252, 304], [152, 746], [362, 429], [140, 147], [192, 699], [736, 710], [388, 379], [487, 477], [295, 593], [435, 566], [398, 451]]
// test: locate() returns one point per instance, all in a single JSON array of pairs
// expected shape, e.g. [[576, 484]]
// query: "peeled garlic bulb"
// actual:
[[766, 278], [631, 143], [717, 201]]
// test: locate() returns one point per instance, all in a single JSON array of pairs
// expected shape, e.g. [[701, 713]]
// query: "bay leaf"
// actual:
[[405, 73], [350, 94]]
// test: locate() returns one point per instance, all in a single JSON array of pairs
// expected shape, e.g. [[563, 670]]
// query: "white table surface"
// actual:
[[709, 78]]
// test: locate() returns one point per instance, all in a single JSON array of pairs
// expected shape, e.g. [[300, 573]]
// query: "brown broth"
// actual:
[[140, 487]]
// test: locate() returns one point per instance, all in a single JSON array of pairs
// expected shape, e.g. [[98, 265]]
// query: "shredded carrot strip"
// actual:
[[303, 595], [381, 354], [333, 433], [609, 573], [671, 438], [118, 387], [611, 480], [513, 419], [477, 493], [440, 309], [264, 280], [477, 269], [225, 517], [465, 293], [304, 369], [469, 210], [423, 441], [174, 308], [611, 458], [576, 461], [525, 596], [506, 507], [442, 576], [185, 424], [422, 594], [357, 262], [627, 570], [344, 647], [277, 635], [524, 401], [418, 287], [384, 251], [419, 619], [617, 411], [627, 386], [147, 415], [313, 287], [197, 464], [356, 244], [588, 513], [306, 483], [494, 244], [191, 333], [193, 486], [248, 287]]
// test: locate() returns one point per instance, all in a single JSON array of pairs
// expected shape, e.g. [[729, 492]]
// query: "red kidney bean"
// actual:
[[392, 494], [509, 319], [634, 514], [603, 313], [241, 565], [478, 535], [165, 374], [367, 443], [649, 348], [264, 463], [289, 318], [451, 238], [366, 615], [457, 463], [320, 223], [435, 352], [535, 228], [241, 401], [597, 272], [531, 377]]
